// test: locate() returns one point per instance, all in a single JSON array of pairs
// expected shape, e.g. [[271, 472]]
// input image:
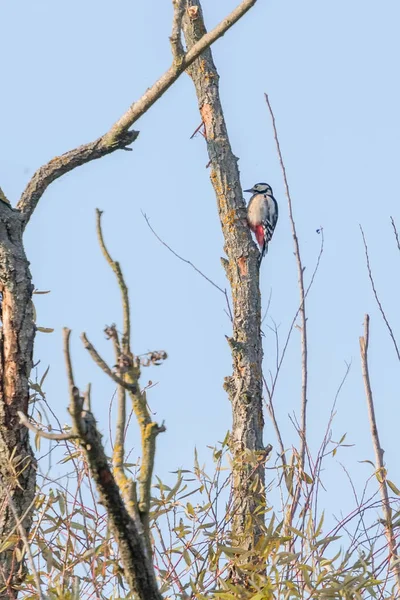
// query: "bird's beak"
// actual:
[[251, 190]]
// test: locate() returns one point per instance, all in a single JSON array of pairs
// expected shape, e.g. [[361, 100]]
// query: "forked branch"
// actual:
[[137, 563], [128, 367], [119, 137]]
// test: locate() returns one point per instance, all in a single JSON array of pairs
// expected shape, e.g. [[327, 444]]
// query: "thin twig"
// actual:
[[380, 467], [303, 328], [326, 439], [321, 250], [44, 434], [197, 130], [188, 262], [22, 533], [271, 410], [395, 233], [377, 297], [115, 266], [268, 306]]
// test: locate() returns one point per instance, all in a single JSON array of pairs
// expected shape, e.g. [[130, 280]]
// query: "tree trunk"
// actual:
[[244, 387], [17, 464]]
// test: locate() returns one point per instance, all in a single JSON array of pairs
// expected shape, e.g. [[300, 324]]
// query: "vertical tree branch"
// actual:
[[380, 467], [17, 464], [244, 387], [137, 562], [126, 336], [303, 318], [175, 39], [128, 368]]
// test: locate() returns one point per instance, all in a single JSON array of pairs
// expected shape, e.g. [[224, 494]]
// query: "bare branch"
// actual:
[[135, 557], [395, 233], [129, 368], [138, 569], [126, 484], [303, 328], [380, 467], [60, 165], [188, 262], [244, 386], [175, 39], [377, 297], [160, 87], [126, 337], [292, 325], [67, 356], [104, 366], [271, 411], [44, 434], [119, 136], [88, 397]]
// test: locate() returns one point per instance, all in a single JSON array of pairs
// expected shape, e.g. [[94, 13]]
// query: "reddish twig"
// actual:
[[377, 297], [303, 328]]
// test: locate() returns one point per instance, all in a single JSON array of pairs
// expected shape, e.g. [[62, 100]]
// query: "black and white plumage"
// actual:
[[262, 215]]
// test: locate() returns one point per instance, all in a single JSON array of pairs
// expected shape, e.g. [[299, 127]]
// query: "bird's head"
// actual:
[[260, 188]]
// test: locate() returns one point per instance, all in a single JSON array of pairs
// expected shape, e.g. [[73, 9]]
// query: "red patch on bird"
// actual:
[[259, 231]]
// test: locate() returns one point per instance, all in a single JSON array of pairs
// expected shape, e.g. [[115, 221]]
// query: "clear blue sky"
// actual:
[[69, 70]]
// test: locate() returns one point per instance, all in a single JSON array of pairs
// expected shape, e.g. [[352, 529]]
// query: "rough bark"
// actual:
[[244, 387], [17, 465], [138, 568]]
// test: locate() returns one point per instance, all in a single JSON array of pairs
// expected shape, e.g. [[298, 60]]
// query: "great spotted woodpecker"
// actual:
[[262, 215]]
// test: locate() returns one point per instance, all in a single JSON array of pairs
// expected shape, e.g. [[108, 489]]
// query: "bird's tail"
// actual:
[[263, 252]]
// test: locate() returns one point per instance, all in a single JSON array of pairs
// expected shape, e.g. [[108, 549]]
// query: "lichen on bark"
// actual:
[[244, 386]]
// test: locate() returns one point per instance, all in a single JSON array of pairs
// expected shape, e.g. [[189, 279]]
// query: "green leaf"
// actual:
[[367, 461], [45, 329], [297, 532], [231, 550], [320, 524], [307, 478], [394, 489], [70, 457], [190, 510], [44, 376], [327, 540], [61, 504]]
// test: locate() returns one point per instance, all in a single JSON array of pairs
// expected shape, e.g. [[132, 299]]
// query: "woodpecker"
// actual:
[[262, 215]]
